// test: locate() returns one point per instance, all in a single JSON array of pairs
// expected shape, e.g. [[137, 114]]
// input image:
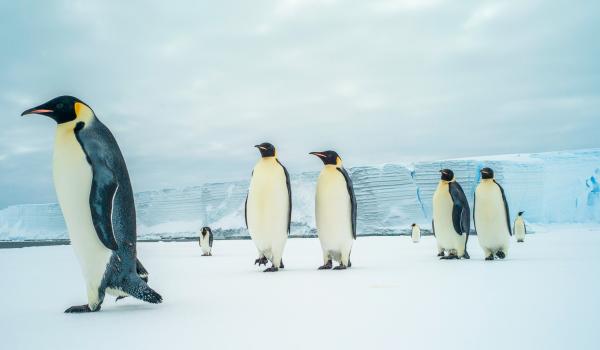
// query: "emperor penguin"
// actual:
[[519, 227], [451, 217], [335, 211], [415, 233], [491, 216], [206, 241], [268, 209], [94, 192]]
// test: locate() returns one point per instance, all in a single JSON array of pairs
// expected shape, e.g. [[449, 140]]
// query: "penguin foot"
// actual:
[[449, 257], [440, 254], [79, 309], [272, 269], [501, 254], [490, 257], [340, 267], [261, 261], [327, 266], [520, 241]]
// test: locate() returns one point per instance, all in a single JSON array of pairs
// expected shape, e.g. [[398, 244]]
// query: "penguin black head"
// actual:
[[521, 213], [413, 225], [62, 109], [447, 174], [487, 173], [266, 149], [205, 230], [328, 157]]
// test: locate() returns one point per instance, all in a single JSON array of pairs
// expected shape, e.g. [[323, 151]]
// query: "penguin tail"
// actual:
[[137, 288]]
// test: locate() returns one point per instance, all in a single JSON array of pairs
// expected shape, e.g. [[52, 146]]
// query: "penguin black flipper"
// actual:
[[433, 228], [210, 238], [505, 208], [246, 205], [461, 217], [352, 199], [103, 190], [289, 189]]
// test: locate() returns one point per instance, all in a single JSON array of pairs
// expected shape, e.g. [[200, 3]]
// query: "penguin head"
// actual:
[[413, 225], [447, 174], [329, 157], [266, 149], [487, 173], [521, 213], [205, 230], [62, 109]]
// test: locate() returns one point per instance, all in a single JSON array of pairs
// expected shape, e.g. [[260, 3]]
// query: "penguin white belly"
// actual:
[[72, 181], [445, 234], [520, 229], [268, 208], [416, 234], [333, 213], [490, 217], [204, 244]]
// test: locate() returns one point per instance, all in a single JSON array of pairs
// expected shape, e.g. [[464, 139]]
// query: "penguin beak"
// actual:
[[260, 147], [38, 110], [320, 155]]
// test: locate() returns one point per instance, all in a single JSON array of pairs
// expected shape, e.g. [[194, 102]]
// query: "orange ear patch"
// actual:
[[78, 108]]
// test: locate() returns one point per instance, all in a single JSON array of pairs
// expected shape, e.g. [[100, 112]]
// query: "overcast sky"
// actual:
[[188, 87]]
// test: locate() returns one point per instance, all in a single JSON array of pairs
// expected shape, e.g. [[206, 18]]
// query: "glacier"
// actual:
[[551, 187]]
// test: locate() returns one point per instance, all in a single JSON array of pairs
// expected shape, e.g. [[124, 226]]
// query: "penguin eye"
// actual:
[[59, 106]]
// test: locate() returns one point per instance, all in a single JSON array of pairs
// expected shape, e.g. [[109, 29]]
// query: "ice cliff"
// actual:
[[554, 187]]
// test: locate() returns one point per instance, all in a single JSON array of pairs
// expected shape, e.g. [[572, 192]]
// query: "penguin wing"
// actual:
[[102, 193], [433, 228], [461, 219], [246, 211], [210, 239], [505, 208], [352, 199], [289, 190]]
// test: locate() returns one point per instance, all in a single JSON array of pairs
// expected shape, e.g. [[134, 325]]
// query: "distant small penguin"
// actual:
[[491, 216], [451, 222], [206, 241], [335, 211], [94, 192], [415, 233], [519, 228], [268, 208]]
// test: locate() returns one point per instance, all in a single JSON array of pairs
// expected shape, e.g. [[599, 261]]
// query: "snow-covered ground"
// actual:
[[398, 295]]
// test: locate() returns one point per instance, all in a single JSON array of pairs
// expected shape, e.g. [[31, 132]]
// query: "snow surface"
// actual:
[[554, 187], [397, 295]]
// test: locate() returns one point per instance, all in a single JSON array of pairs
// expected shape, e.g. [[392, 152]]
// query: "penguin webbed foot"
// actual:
[[449, 257], [520, 241], [271, 269], [501, 254], [490, 257], [261, 261], [440, 254], [327, 266], [340, 267], [80, 309]]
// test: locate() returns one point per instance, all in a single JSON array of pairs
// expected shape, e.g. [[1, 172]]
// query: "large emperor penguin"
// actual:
[[415, 233], [95, 195], [519, 228], [451, 217], [335, 211], [268, 209], [491, 216], [206, 241]]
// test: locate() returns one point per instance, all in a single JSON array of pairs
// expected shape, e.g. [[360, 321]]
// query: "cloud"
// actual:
[[187, 89]]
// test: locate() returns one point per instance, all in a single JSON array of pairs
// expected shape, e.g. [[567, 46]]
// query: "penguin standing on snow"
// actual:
[[491, 216], [93, 189], [268, 208], [519, 228], [335, 211], [451, 217], [206, 241], [415, 233]]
